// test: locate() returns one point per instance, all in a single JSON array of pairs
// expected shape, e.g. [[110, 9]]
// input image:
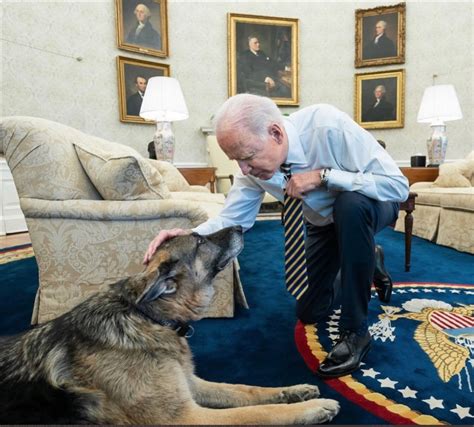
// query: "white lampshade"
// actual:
[[439, 104], [163, 101]]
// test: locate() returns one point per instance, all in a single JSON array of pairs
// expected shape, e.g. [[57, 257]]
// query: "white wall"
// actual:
[[84, 94]]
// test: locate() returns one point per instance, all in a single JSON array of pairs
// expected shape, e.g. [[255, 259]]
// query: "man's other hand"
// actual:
[[302, 183]]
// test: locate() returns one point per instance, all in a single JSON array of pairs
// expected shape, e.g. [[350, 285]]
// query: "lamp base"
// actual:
[[163, 140], [437, 144]]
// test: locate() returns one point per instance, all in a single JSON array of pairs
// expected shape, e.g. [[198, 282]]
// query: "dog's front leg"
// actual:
[[313, 411], [222, 395]]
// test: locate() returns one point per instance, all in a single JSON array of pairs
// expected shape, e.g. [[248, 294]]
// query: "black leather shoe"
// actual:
[[382, 280], [345, 356]]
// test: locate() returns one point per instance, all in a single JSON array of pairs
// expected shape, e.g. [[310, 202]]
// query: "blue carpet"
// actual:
[[257, 346]]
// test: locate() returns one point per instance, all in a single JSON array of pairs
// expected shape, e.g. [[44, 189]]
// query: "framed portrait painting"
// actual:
[[379, 99], [142, 26], [133, 76], [263, 57], [380, 35]]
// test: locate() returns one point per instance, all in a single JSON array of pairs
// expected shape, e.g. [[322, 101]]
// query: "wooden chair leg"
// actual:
[[408, 234]]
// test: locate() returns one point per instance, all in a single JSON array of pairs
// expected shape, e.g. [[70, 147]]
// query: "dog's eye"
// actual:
[[200, 240], [171, 287]]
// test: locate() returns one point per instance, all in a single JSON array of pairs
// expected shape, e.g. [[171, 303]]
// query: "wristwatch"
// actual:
[[324, 174]]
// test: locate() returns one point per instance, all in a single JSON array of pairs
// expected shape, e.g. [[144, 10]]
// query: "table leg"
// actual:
[[408, 234]]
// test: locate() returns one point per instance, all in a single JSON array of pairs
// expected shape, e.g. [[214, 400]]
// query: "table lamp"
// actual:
[[439, 104], [164, 103]]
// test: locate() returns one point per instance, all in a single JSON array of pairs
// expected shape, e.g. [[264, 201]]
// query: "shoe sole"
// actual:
[[323, 375]]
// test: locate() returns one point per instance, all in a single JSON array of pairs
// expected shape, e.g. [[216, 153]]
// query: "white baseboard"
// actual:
[[406, 163]]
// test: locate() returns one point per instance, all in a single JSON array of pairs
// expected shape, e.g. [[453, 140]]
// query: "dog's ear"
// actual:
[[162, 285]]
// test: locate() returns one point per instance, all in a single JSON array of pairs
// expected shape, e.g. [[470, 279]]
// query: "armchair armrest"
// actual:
[[199, 189], [111, 210]]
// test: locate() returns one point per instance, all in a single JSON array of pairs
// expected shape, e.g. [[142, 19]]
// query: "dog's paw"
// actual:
[[299, 393], [319, 411]]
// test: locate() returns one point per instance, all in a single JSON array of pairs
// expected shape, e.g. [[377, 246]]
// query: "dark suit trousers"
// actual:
[[347, 246]]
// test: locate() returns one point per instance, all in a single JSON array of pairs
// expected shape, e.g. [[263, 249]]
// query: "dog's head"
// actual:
[[177, 281]]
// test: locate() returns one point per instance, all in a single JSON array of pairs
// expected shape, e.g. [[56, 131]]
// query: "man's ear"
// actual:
[[161, 285], [276, 132]]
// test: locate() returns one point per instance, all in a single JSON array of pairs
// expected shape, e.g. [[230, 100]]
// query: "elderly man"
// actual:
[[258, 73], [350, 188]]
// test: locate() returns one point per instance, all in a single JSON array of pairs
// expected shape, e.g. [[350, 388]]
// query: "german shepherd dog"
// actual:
[[121, 356]]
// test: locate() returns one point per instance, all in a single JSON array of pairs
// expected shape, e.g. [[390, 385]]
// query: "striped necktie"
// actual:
[[296, 276]]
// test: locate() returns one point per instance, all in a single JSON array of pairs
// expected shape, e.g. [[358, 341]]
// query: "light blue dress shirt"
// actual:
[[319, 136]]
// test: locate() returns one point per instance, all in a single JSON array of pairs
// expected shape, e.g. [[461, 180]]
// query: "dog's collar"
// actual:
[[182, 329]]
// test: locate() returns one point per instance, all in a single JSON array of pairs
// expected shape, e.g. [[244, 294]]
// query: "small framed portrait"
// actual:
[[380, 35], [263, 57], [142, 26], [133, 76], [379, 99]]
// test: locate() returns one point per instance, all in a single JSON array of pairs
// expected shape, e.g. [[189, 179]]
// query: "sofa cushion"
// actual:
[[452, 180], [456, 174], [171, 175], [435, 196], [121, 173]]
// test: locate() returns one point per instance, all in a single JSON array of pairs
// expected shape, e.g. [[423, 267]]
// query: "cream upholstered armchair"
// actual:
[[93, 206]]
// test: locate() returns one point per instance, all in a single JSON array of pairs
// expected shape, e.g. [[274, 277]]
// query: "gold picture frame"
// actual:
[[142, 26], [270, 67], [133, 74], [380, 35], [379, 99]]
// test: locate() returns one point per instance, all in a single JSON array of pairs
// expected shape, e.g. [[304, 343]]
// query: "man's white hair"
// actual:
[[145, 9], [246, 112], [384, 24]]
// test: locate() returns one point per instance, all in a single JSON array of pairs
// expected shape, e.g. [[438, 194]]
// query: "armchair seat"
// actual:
[[92, 207]]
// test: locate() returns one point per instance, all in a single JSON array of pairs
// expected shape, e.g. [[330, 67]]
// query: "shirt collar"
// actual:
[[296, 154]]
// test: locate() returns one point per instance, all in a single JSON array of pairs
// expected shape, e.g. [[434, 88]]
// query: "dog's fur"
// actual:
[[111, 360]]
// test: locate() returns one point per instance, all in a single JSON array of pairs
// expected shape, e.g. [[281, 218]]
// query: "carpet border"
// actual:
[[312, 352]]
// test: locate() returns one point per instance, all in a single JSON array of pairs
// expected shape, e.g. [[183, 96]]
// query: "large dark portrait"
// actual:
[[380, 36], [263, 57], [142, 26], [133, 79], [379, 99]]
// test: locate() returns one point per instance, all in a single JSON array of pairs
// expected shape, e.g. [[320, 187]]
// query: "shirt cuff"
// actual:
[[342, 180]]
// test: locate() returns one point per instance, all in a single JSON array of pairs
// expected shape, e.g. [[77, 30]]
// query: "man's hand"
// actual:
[[162, 236], [302, 183]]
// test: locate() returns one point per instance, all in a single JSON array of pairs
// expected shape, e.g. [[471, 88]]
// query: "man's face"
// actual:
[[260, 159], [378, 93], [379, 28], [254, 44], [140, 14], [141, 84]]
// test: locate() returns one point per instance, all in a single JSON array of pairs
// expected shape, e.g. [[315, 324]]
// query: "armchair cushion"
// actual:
[[171, 175], [121, 174]]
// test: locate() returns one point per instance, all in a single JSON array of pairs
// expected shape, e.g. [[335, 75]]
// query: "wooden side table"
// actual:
[[420, 174], [200, 176], [408, 206]]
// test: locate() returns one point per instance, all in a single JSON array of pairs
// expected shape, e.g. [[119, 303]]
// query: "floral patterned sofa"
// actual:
[[92, 207]]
